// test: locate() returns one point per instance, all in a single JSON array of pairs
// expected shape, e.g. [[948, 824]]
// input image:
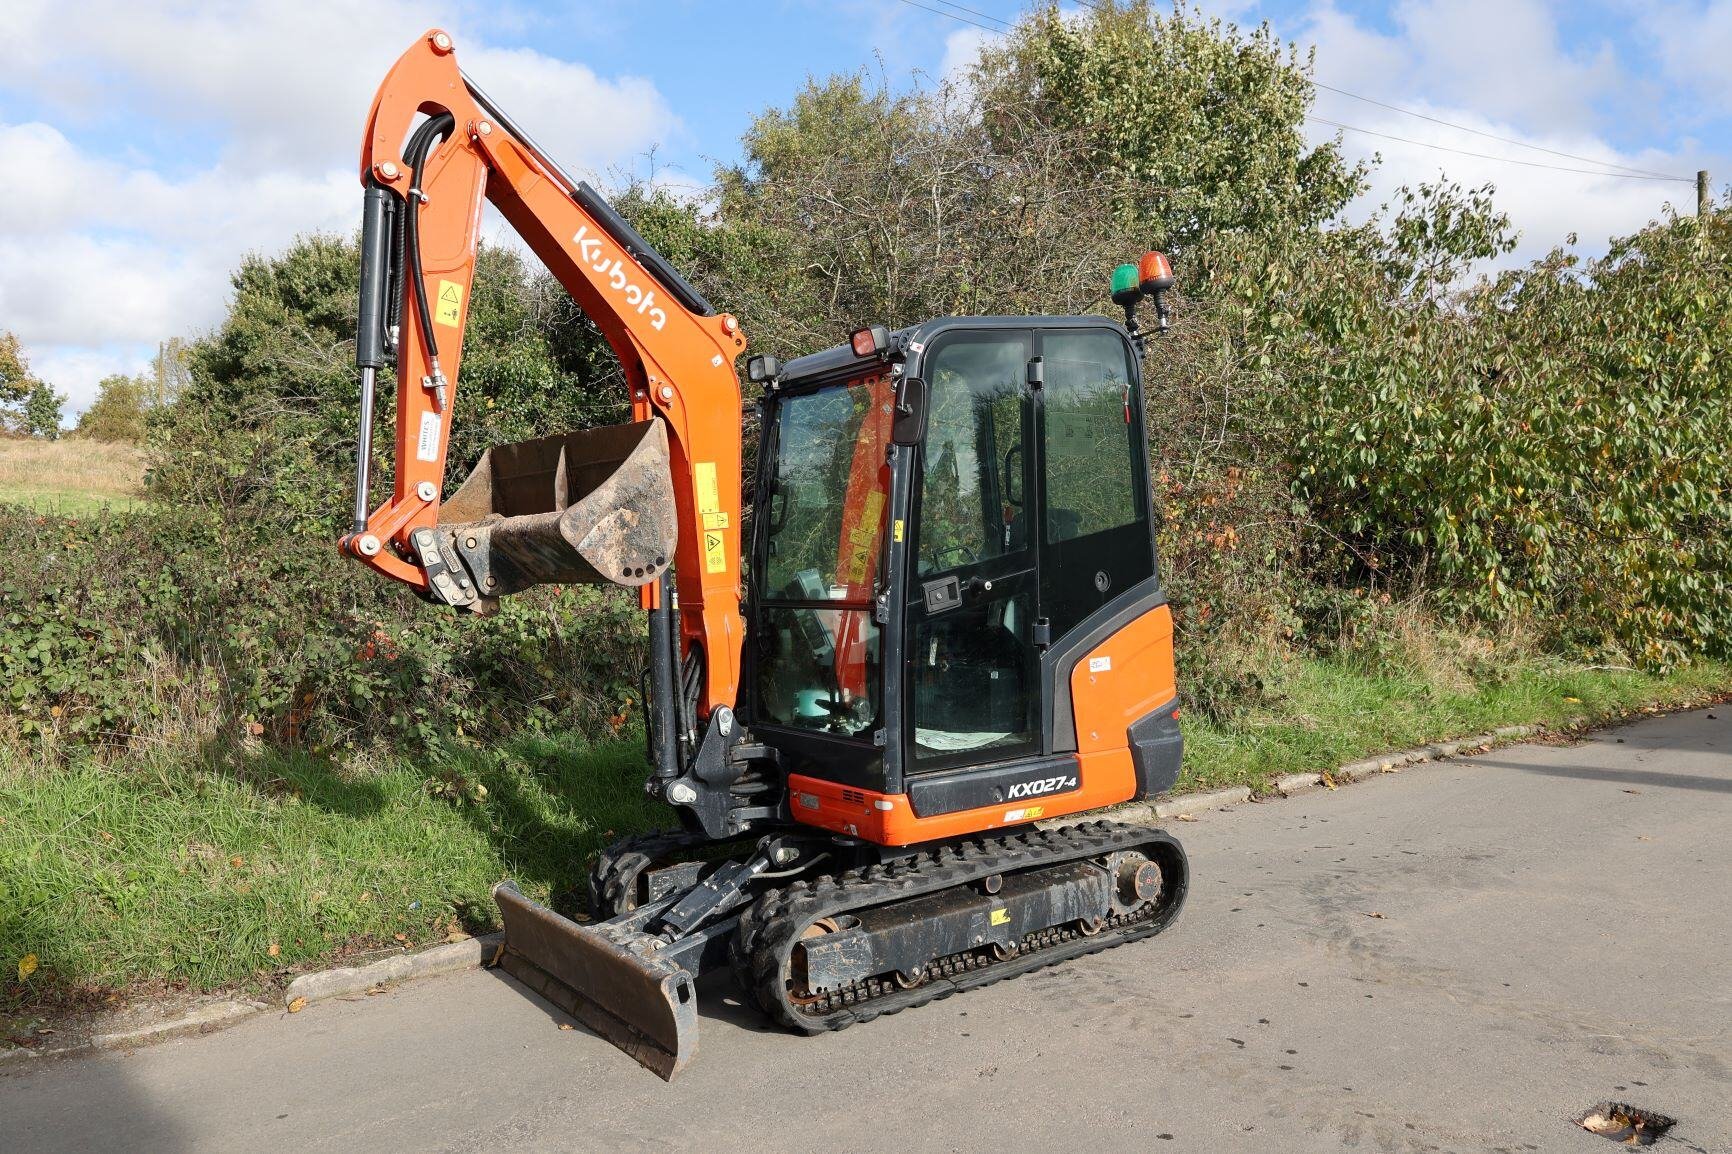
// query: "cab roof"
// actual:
[[841, 362]]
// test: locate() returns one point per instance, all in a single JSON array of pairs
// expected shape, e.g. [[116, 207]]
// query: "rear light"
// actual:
[[870, 340]]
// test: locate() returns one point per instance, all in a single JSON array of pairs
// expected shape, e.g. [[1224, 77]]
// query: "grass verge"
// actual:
[[70, 477], [240, 869], [1323, 713]]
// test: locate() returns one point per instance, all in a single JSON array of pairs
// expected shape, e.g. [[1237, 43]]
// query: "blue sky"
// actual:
[[146, 146]]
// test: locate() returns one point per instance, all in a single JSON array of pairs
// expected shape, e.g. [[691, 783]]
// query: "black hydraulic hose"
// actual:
[[420, 144]]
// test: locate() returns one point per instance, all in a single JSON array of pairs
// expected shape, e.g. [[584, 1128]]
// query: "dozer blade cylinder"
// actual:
[[645, 1005]]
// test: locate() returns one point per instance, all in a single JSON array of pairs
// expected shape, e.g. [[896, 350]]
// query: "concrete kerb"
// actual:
[[203, 1019], [326, 984]]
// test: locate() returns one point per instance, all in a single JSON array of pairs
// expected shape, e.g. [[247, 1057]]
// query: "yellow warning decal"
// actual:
[[860, 542], [709, 496], [896, 531], [1000, 917], [449, 307], [710, 513]]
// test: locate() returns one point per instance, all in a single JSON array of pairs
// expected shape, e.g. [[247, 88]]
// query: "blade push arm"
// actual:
[[425, 182]]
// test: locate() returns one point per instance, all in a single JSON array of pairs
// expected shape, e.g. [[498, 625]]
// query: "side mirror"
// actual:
[[909, 428]]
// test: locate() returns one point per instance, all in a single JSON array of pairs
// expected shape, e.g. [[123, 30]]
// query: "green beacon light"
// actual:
[[1127, 287]]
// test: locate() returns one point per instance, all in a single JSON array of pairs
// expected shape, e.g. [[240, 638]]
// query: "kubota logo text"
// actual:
[[1041, 785], [589, 251]]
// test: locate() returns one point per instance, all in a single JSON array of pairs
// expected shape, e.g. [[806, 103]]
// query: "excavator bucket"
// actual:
[[576, 508], [608, 977]]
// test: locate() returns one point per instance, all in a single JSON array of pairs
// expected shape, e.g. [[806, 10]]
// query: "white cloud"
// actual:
[[102, 252], [1694, 41], [962, 48], [1497, 67]]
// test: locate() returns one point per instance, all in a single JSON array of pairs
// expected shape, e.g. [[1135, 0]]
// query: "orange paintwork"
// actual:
[[888, 819], [1123, 679], [864, 513], [1136, 679], [678, 365]]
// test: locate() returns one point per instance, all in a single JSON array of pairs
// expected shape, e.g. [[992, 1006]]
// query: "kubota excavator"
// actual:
[[951, 625]]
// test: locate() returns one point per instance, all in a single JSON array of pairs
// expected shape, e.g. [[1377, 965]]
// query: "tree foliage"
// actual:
[[29, 407], [119, 411], [1196, 124]]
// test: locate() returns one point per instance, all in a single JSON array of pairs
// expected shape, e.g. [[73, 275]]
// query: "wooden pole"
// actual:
[[1702, 192]]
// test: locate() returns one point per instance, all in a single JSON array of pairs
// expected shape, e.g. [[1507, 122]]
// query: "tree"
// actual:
[[118, 413], [1202, 122], [42, 411], [15, 379]]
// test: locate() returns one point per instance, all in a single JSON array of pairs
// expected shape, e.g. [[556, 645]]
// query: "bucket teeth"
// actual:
[[608, 978]]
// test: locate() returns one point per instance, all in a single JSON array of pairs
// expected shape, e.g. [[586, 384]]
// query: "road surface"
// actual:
[[1460, 957]]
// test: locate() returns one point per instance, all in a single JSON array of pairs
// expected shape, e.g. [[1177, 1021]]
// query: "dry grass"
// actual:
[[70, 476]]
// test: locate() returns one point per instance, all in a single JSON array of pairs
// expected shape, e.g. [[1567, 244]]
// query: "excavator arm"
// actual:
[[590, 506]]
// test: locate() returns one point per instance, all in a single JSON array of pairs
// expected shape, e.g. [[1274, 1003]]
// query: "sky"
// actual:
[[147, 146]]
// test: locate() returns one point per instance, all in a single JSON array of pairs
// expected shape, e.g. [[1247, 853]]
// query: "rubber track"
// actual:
[[772, 925], [613, 876]]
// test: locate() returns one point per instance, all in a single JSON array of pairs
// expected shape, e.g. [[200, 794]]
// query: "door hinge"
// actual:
[[1036, 372], [878, 738], [1042, 633]]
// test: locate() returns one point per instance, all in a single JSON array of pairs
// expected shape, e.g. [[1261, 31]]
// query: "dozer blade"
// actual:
[[645, 1005], [578, 508]]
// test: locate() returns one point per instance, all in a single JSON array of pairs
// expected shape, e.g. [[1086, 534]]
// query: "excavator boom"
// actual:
[[435, 146]]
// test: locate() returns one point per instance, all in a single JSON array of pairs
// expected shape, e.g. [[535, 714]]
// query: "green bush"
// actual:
[[159, 626]]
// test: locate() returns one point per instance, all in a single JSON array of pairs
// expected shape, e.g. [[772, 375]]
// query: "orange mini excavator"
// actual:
[[950, 626]]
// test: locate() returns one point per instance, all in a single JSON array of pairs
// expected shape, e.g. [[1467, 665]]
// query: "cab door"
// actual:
[[972, 672]]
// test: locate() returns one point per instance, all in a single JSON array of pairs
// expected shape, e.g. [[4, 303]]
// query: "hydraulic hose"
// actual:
[[420, 144]]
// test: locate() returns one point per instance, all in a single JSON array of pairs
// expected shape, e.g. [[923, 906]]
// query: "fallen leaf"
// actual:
[[456, 936], [274, 950], [1185, 817], [1328, 782], [375, 991], [1573, 700], [498, 953], [567, 1026], [26, 966], [1643, 837], [237, 861], [365, 896], [297, 1005], [1374, 916], [1632, 791], [256, 729], [401, 937]]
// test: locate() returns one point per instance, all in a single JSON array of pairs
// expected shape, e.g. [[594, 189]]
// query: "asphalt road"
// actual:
[[1461, 957]]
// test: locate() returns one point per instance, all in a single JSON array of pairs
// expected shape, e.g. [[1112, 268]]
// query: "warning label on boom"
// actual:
[[449, 307], [715, 556]]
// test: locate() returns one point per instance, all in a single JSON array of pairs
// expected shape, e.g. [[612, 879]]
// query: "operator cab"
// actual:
[[917, 608]]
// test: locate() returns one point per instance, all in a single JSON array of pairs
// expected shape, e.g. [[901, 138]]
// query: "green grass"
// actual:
[[1327, 712], [66, 502], [70, 477], [187, 869], [159, 869]]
